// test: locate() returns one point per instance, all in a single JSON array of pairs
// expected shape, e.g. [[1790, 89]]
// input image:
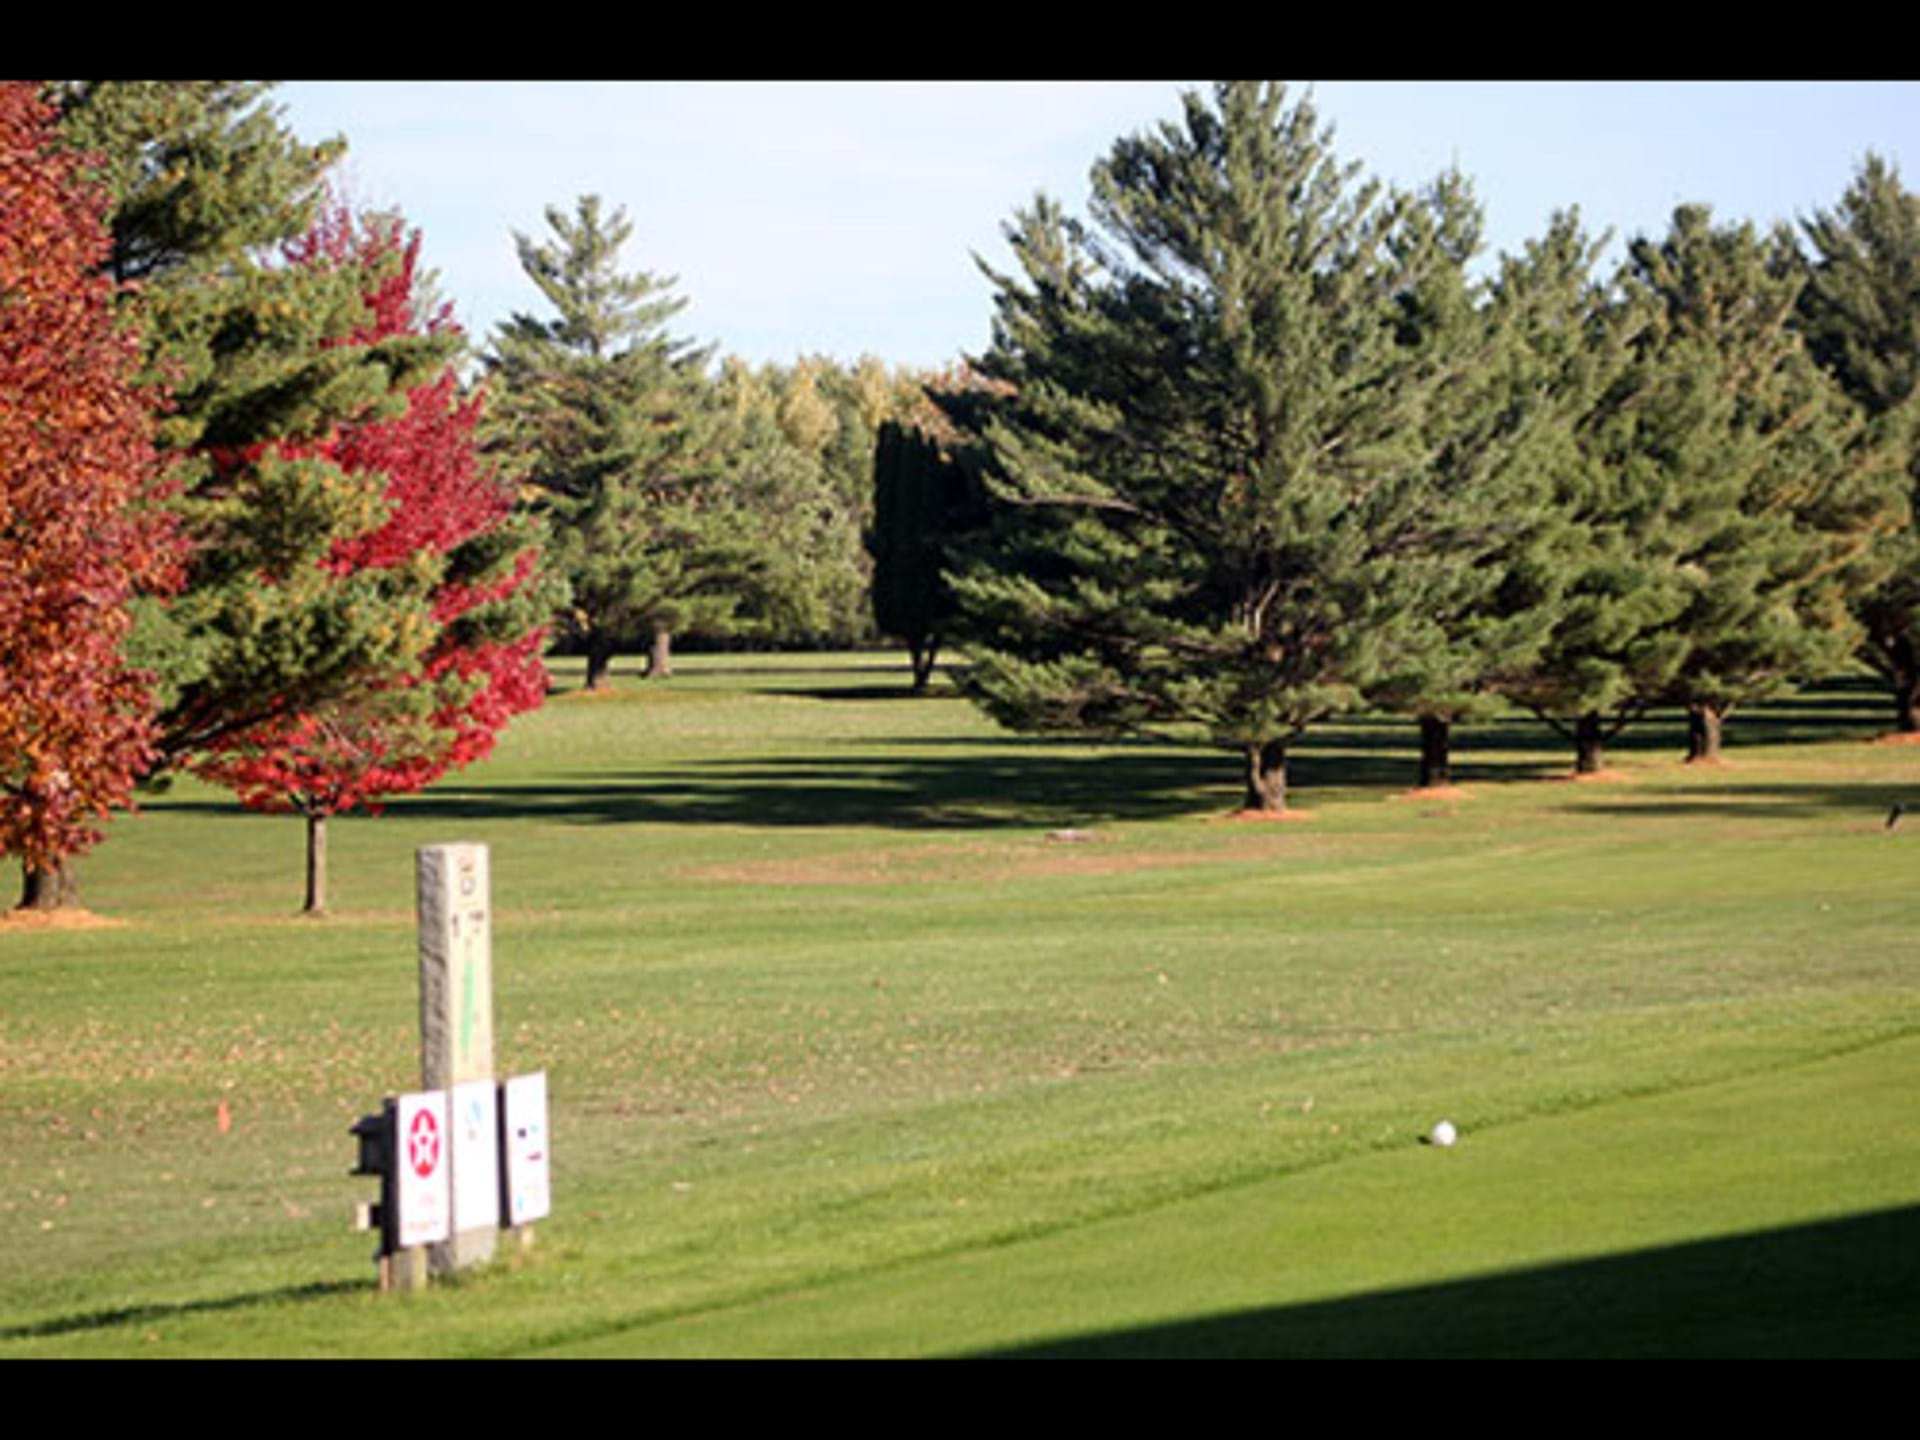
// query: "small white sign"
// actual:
[[423, 1191], [529, 1190], [476, 1156]]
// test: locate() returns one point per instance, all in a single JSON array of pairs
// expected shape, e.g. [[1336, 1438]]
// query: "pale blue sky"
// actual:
[[839, 218]]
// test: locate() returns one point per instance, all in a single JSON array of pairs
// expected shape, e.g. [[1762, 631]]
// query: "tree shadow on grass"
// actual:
[[1733, 799], [1006, 783], [153, 1314], [1840, 1288], [902, 691], [1005, 789], [1009, 781]]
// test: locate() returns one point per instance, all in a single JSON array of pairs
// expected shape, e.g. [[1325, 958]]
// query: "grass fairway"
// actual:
[[848, 1056]]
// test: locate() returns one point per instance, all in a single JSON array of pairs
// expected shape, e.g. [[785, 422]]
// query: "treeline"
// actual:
[[1254, 445], [1258, 449], [255, 526], [680, 495]]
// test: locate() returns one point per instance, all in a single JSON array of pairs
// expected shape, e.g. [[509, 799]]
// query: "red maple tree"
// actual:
[[78, 534], [481, 664]]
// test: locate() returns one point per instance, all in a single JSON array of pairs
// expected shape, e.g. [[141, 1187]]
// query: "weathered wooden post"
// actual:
[[456, 1040]]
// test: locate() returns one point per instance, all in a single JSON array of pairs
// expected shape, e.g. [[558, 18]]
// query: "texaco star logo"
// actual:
[[423, 1144]]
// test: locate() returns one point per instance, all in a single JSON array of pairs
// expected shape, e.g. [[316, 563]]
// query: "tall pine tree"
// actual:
[[606, 418], [1499, 428], [1211, 475], [1785, 489], [258, 362], [1861, 314]]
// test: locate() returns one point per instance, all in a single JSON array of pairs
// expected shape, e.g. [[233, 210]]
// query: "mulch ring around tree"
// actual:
[[62, 919], [1289, 814], [1897, 737], [1432, 792]]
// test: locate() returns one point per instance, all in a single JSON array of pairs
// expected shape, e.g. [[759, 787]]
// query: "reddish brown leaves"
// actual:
[[396, 735], [77, 538]]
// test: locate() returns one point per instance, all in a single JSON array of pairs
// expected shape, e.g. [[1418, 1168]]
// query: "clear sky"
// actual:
[[840, 218]]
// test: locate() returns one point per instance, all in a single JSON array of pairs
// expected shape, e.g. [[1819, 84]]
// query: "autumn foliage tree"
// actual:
[[76, 539], [464, 581]]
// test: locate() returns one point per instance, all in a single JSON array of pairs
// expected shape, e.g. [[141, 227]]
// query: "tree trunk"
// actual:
[[40, 889], [1267, 777], [660, 658], [1587, 755], [316, 865], [1906, 701], [1703, 734], [1436, 752], [599, 661], [923, 664]]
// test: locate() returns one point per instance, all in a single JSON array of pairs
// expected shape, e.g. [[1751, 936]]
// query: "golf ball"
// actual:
[[1443, 1133]]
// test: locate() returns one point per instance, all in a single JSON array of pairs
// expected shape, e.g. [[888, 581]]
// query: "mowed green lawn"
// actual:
[[849, 1055]]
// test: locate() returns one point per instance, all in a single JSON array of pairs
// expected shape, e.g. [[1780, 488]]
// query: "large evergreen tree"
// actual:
[[259, 362], [606, 417], [1499, 431], [1861, 314], [1211, 478], [1785, 487], [1723, 504]]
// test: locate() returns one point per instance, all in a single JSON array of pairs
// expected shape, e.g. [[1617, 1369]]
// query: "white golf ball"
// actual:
[[1443, 1133]]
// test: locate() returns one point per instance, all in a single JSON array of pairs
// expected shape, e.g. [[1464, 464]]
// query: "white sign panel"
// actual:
[[528, 1185], [476, 1156], [422, 1188]]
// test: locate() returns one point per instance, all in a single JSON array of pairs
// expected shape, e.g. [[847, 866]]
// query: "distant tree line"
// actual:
[[1259, 450], [1252, 446]]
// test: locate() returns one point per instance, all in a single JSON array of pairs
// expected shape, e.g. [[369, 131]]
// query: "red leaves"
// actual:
[[78, 535], [397, 735]]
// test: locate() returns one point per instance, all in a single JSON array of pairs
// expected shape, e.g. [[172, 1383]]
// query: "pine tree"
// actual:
[[79, 532], [1725, 505], [259, 362], [606, 418], [1210, 479], [448, 530], [1861, 314], [1499, 431], [1786, 491], [1608, 643]]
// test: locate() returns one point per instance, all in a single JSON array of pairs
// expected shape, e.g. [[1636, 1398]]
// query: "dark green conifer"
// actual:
[[1210, 475], [1783, 487], [208, 186], [1861, 314], [605, 417], [923, 501], [1499, 430]]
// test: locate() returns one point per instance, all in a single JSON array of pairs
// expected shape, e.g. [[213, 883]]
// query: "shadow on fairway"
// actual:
[[1018, 789], [151, 1314], [901, 691], [1842, 1288], [1867, 804]]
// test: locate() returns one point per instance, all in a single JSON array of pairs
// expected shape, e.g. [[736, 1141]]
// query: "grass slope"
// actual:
[[848, 1056]]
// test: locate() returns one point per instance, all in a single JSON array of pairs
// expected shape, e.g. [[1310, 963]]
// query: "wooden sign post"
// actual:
[[456, 1039]]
